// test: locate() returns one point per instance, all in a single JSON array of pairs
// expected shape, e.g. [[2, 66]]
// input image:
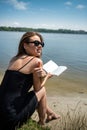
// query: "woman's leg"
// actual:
[[51, 114], [40, 91], [42, 106]]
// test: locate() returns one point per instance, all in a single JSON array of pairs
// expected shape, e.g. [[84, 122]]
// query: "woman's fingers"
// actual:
[[39, 64], [40, 72]]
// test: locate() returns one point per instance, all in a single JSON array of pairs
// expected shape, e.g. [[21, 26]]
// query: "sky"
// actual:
[[49, 14]]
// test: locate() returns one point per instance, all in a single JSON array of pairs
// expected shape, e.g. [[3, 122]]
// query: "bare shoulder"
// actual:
[[38, 61], [11, 61]]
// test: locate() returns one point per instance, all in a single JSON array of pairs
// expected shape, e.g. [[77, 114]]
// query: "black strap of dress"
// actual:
[[26, 64]]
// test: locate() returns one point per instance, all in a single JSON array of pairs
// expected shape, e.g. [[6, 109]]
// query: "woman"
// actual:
[[25, 70]]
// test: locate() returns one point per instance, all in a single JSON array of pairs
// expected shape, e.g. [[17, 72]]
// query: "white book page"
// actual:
[[50, 66], [53, 68], [59, 70]]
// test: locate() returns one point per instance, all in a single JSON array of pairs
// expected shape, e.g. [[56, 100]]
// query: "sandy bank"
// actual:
[[70, 104], [70, 108]]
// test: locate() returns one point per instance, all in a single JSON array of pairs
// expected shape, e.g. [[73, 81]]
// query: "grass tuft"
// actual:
[[72, 119], [32, 125]]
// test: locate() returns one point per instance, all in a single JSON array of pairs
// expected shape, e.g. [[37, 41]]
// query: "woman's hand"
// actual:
[[48, 75], [40, 76], [40, 72]]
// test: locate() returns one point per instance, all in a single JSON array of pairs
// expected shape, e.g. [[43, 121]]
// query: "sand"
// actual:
[[65, 103], [66, 106]]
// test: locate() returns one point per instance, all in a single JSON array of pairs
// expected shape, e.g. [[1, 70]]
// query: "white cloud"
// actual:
[[68, 3], [80, 6], [10, 23], [20, 5], [44, 25], [16, 24]]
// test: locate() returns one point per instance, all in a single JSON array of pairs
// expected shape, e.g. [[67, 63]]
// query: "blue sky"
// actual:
[[51, 14]]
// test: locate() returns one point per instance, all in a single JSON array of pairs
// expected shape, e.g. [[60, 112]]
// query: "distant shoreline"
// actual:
[[25, 29]]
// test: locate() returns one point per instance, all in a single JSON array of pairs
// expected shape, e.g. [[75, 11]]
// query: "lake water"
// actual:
[[65, 49]]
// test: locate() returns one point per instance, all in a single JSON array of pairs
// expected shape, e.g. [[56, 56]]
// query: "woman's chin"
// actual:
[[38, 55]]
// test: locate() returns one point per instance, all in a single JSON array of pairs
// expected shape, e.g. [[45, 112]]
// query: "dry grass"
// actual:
[[73, 119]]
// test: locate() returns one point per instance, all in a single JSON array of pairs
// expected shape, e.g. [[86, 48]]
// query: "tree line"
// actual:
[[25, 29]]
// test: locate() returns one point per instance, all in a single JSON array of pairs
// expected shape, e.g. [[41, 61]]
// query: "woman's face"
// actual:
[[31, 48]]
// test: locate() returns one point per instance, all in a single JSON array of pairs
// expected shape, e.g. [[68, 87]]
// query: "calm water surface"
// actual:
[[65, 49]]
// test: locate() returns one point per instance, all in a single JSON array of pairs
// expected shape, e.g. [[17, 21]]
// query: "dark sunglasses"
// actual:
[[37, 43]]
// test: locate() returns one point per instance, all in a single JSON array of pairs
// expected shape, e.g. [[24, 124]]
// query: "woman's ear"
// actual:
[[25, 46]]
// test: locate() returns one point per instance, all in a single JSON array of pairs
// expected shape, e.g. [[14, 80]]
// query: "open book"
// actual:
[[53, 68]]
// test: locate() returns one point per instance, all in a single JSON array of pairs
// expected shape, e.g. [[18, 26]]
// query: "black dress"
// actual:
[[16, 102]]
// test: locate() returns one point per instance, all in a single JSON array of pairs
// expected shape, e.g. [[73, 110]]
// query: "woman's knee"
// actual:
[[41, 93]]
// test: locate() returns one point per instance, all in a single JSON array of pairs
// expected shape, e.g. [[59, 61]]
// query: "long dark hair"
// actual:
[[25, 39]]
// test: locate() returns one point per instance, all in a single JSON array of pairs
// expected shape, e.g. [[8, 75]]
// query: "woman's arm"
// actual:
[[39, 76], [48, 75]]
